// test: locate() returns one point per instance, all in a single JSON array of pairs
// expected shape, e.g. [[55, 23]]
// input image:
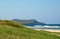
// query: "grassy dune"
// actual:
[[13, 30]]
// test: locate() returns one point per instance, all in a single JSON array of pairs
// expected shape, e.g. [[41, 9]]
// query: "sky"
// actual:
[[47, 11]]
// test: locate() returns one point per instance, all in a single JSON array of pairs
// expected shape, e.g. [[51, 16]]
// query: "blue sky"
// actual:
[[47, 11]]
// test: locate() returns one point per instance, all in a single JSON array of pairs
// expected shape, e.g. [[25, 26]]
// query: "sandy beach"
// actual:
[[50, 30]]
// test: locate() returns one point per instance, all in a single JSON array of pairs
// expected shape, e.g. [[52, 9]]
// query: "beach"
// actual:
[[50, 30]]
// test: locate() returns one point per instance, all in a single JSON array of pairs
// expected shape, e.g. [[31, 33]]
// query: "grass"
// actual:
[[13, 30]]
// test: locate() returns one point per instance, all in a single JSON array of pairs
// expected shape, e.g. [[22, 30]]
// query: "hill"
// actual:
[[30, 22], [13, 30]]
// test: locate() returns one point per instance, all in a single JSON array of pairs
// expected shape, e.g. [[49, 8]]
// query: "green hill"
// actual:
[[13, 30]]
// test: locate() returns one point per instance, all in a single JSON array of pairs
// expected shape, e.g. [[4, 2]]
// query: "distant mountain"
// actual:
[[30, 22]]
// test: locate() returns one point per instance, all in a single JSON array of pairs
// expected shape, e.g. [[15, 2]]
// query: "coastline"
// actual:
[[50, 30]]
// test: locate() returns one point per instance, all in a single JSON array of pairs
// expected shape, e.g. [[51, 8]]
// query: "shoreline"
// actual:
[[50, 30]]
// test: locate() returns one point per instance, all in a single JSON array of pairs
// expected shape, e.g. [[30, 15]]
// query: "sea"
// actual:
[[44, 27]]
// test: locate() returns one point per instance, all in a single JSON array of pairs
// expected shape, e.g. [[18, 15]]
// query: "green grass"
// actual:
[[13, 30]]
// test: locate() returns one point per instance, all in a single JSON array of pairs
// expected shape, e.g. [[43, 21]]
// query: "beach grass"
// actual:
[[13, 30]]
